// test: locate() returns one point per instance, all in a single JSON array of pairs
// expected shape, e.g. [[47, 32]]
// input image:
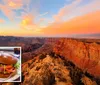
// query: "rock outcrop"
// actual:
[[46, 71], [84, 55], [54, 61], [53, 70]]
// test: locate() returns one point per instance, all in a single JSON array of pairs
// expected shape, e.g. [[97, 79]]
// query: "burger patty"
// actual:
[[4, 75]]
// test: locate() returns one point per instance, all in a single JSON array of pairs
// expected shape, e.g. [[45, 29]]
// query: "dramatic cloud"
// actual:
[[28, 23], [74, 9], [66, 10], [10, 5], [88, 23], [94, 5], [76, 16]]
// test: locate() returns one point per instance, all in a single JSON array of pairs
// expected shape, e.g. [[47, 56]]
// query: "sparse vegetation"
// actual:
[[69, 61], [42, 56]]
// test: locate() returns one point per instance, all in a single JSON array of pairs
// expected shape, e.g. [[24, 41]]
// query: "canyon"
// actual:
[[57, 61]]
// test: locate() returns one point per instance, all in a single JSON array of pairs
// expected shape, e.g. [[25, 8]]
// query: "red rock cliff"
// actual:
[[84, 55]]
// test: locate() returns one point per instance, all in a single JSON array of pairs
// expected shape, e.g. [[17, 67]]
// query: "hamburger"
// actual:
[[7, 65]]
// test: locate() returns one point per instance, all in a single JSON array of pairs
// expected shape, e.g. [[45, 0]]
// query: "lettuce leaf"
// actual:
[[17, 65]]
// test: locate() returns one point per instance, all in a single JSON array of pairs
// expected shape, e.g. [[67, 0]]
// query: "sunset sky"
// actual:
[[49, 17]]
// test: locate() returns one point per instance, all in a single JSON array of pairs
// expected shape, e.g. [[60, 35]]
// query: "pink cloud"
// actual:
[[93, 6], [72, 10], [16, 4], [9, 5], [7, 12], [1, 21], [66, 10], [13, 4]]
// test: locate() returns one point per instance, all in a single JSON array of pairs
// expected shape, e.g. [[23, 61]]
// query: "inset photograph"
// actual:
[[10, 64]]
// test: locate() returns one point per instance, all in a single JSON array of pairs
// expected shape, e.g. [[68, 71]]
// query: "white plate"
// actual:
[[12, 79]]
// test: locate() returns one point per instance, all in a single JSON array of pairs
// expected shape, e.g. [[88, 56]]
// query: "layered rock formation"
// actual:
[[53, 70], [54, 61], [84, 55]]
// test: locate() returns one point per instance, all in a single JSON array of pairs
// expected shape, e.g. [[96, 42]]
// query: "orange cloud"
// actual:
[[27, 20], [1, 20], [88, 23], [19, 32], [85, 24], [14, 5], [28, 24]]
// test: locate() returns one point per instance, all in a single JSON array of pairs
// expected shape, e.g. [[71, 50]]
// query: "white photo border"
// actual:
[[20, 62]]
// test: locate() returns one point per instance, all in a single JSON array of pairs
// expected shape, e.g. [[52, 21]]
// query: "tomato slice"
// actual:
[[10, 70], [9, 66]]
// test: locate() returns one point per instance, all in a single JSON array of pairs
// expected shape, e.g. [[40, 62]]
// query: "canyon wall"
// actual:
[[84, 55]]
